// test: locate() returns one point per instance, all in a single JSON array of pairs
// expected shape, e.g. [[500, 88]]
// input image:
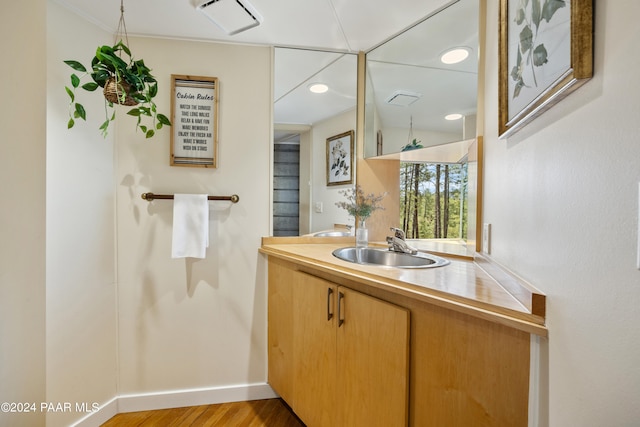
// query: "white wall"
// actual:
[[81, 290], [305, 185], [562, 198], [186, 324], [181, 325], [22, 216], [328, 195]]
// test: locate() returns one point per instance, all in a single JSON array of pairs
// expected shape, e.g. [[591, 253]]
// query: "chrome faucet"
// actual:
[[397, 242]]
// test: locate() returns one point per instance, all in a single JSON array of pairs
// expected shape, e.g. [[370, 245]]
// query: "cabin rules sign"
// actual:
[[194, 105]]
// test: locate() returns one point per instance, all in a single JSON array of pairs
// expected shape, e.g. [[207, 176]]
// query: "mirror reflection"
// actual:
[[409, 91], [421, 87], [303, 121], [433, 200]]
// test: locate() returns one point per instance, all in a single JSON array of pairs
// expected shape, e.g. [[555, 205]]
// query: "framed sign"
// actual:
[[194, 107], [340, 159], [546, 52]]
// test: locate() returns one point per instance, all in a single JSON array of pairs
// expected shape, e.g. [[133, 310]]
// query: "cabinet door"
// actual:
[[315, 350], [280, 330], [373, 361]]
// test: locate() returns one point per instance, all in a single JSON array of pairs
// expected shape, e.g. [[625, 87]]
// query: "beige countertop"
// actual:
[[474, 286]]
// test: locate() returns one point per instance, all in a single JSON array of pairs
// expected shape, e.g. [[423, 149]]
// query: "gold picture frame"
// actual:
[[194, 114], [340, 159], [545, 53]]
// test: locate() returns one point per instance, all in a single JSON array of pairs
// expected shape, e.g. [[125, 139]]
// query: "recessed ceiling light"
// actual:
[[455, 55], [455, 116], [318, 87]]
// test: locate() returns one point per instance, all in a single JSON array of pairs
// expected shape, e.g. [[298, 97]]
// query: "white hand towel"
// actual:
[[190, 226]]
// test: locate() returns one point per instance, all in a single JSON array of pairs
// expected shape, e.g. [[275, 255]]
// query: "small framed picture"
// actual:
[[545, 53], [340, 159]]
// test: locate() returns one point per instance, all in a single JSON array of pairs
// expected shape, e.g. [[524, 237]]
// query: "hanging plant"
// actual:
[[413, 143], [124, 81]]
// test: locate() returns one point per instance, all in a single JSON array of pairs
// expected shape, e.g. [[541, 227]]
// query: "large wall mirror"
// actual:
[[408, 93], [421, 97], [304, 119]]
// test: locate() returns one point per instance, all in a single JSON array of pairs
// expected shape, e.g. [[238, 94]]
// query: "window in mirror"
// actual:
[[433, 200]]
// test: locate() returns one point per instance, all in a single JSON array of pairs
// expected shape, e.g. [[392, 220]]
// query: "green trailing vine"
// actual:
[[133, 79], [413, 145]]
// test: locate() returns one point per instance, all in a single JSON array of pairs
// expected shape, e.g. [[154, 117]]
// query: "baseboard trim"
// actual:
[[106, 411], [207, 396], [176, 399]]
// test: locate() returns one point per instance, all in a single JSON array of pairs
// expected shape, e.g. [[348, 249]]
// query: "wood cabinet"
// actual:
[[336, 356], [314, 365], [280, 331], [464, 370]]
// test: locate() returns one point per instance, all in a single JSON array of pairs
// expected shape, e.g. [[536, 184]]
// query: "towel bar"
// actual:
[[150, 196]]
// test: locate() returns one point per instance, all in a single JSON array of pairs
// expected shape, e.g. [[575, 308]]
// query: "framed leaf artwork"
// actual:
[[340, 159], [545, 53]]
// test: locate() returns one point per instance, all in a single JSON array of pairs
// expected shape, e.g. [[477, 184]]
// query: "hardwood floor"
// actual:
[[255, 413]]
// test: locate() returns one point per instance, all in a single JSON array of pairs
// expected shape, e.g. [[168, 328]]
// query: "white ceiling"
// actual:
[[338, 28], [343, 25]]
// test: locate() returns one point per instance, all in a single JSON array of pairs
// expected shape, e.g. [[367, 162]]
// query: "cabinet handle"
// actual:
[[340, 316], [329, 312]]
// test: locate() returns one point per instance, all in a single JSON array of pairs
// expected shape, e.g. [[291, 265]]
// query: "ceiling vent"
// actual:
[[403, 98], [232, 16]]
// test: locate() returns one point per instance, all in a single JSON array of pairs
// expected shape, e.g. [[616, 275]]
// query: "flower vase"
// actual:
[[362, 235]]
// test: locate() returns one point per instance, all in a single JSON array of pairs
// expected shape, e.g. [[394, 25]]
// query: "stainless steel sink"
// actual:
[[334, 233], [387, 258]]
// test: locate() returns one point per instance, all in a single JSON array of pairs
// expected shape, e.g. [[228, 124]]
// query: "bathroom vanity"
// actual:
[[363, 345]]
